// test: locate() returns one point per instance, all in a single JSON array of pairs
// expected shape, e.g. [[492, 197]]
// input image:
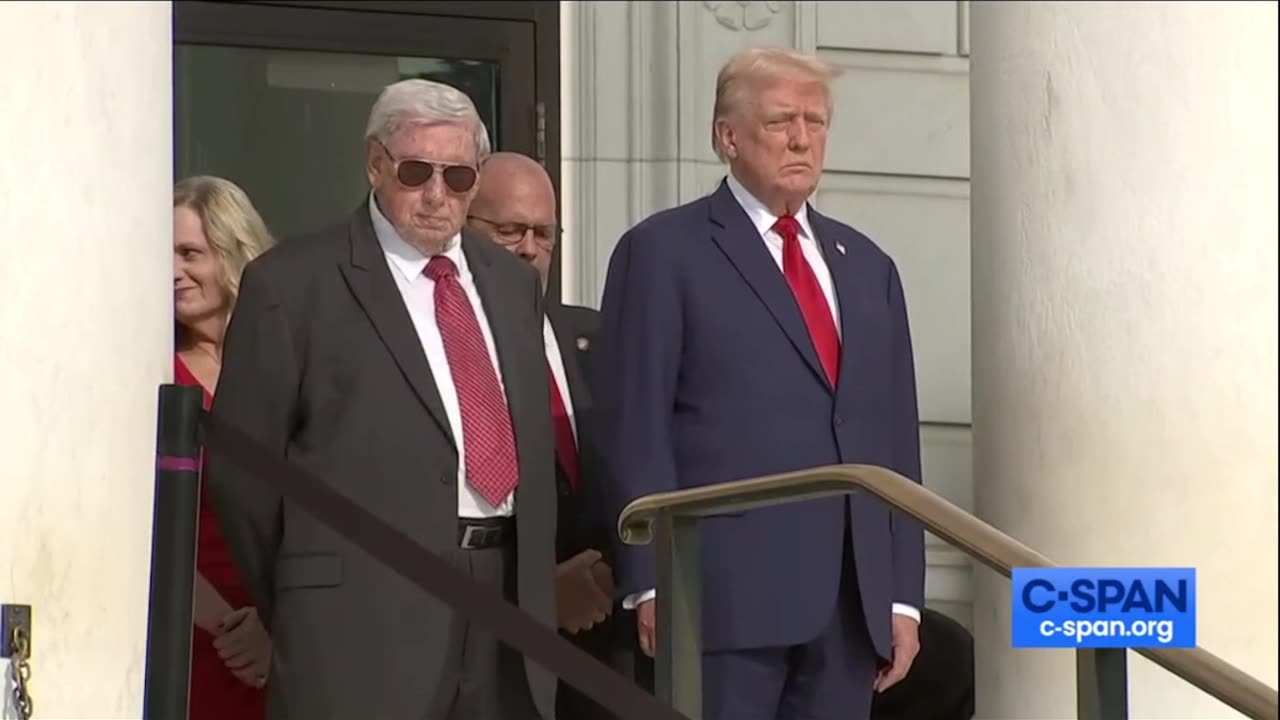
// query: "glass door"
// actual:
[[275, 98]]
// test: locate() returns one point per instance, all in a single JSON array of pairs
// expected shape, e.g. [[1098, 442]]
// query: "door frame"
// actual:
[[199, 22]]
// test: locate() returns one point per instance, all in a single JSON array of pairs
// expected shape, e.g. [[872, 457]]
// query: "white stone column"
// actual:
[[1124, 320], [85, 337]]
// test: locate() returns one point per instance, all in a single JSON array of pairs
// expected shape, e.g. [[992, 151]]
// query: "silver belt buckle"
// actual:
[[473, 535]]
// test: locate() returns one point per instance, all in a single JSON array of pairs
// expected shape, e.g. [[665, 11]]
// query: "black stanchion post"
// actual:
[[175, 518]]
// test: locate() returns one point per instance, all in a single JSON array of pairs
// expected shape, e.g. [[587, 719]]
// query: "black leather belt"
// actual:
[[484, 533]]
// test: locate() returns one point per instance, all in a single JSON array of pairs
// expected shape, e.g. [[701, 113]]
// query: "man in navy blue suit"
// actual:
[[745, 334]]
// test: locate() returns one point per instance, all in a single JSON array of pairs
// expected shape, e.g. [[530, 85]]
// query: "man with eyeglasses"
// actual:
[[368, 354], [516, 208]]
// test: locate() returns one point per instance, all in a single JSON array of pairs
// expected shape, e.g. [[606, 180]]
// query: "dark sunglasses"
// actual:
[[416, 173]]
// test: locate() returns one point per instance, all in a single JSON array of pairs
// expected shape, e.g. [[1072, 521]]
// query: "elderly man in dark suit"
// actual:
[[746, 334], [399, 358], [516, 208]]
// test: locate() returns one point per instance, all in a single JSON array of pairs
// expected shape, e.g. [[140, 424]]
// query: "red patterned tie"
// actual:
[[566, 447], [813, 303], [488, 440]]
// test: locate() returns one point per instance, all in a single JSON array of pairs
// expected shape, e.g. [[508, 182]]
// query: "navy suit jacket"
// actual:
[[712, 377]]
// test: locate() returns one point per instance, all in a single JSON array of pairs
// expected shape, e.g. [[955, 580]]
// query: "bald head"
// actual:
[[506, 175], [516, 208]]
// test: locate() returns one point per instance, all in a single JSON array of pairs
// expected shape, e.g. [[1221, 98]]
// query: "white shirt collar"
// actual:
[[760, 215], [406, 258]]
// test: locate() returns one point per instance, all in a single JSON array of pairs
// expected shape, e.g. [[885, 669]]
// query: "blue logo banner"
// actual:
[[1104, 607]]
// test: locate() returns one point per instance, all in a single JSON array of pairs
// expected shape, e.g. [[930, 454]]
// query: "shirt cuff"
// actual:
[[900, 609], [631, 601]]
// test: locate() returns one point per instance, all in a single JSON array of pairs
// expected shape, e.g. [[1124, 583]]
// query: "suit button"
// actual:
[[839, 421]]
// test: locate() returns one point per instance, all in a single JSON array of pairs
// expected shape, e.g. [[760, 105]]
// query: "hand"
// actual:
[[244, 646], [603, 575], [906, 644], [584, 591], [645, 627]]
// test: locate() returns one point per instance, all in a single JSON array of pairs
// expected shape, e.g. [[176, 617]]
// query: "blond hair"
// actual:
[[744, 72], [235, 230]]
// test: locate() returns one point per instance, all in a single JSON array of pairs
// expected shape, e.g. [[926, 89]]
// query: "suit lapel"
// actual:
[[567, 336], [741, 242], [375, 290], [849, 296], [567, 342]]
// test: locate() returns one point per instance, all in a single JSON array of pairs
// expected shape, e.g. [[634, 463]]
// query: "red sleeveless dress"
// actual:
[[216, 694]]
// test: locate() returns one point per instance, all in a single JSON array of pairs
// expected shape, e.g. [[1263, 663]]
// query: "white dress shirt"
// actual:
[[556, 363], [407, 264], [763, 219]]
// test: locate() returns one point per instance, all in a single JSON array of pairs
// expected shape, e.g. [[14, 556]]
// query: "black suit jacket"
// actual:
[[323, 366], [582, 522], [583, 516]]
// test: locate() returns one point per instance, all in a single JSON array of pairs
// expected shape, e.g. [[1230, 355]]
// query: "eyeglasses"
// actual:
[[415, 173], [511, 233]]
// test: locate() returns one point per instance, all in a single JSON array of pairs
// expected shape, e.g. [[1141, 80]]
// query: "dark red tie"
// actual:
[[488, 440], [813, 303], [566, 447]]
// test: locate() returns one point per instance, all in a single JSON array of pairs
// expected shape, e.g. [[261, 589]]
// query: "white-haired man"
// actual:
[[399, 358], [745, 334]]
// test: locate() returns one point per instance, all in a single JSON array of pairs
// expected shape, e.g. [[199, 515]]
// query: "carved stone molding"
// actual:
[[639, 79], [747, 16]]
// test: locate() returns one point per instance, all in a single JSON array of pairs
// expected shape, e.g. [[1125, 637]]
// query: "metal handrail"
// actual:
[[675, 512]]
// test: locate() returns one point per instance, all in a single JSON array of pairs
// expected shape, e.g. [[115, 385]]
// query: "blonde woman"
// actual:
[[216, 232]]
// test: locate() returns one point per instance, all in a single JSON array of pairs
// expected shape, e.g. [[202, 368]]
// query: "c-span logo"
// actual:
[[1104, 607]]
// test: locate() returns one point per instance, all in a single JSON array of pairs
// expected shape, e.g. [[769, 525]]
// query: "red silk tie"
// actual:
[[487, 436], [566, 446], [813, 303]]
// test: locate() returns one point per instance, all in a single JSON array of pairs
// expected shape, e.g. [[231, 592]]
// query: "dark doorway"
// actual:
[[274, 96]]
